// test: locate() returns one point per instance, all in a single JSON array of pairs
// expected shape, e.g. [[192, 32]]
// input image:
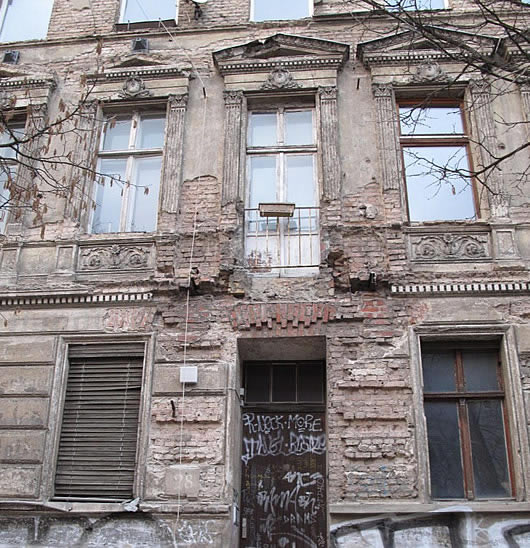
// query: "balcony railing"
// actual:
[[274, 242]]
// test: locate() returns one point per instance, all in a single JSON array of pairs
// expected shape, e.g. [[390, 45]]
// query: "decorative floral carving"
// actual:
[[328, 93], [382, 90], [178, 101], [134, 87], [233, 97], [7, 101], [114, 257], [450, 247], [279, 78], [430, 71]]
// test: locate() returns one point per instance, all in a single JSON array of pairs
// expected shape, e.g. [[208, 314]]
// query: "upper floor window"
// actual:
[[126, 194], [435, 151], [271, 10], [466, 419], [8, 168], [415, 5], [24, 19], [282, 196], [133, 11]]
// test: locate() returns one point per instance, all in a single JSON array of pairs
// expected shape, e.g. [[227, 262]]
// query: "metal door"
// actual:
[[283, 491]]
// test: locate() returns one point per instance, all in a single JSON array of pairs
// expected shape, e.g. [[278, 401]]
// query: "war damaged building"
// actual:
[[264, 274]]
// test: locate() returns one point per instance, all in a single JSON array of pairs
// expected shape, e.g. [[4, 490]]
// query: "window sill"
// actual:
[[408, 507], [140, 25]]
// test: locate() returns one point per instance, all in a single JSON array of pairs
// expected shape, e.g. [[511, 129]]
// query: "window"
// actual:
[[466, 422], [272, 10], [97, 447], [126, 194], [415, 5], [301, 382], [282, 211], [8, 168], [133, 11], [24, 19], [435, 155]]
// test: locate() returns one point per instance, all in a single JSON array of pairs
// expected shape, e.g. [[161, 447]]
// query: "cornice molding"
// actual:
[[458, 289], [62, 299]]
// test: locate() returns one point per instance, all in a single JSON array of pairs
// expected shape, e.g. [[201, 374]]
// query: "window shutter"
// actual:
[[97, 448]]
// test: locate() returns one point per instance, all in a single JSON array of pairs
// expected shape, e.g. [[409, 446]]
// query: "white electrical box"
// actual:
[[188, 374]]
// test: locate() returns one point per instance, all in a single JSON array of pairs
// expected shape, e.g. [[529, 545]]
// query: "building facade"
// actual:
[[264, 275]]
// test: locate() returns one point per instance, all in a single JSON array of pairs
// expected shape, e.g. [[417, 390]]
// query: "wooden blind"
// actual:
[[97, 447]]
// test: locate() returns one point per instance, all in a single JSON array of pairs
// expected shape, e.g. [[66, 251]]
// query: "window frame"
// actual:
[[279, 227], [122, 21], [310, 5], [17, 124], [129, 191], [461, 397], [433, 140], [109, 348], [3, 14]]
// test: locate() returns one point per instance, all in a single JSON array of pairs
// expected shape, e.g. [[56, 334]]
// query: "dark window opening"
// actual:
[[290, 382], [466, 423]]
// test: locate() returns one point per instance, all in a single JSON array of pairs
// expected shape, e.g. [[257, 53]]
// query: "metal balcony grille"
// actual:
[[282, 242]]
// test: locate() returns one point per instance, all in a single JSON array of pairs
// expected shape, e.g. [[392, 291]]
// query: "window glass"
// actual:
[[146, 178], [488, 449], [438, 371], [262, 129], [9, 137], [257, 383], [109, 194], [430, 121], [4, 198], [480, 370], [299, 128], [412, 5], [117, 134], [262, 178], [266, 10], [437, 189], [148, 10], [151, 132], [311, 383], [26, 20], [300, 187], [444, 450], [284, 383]]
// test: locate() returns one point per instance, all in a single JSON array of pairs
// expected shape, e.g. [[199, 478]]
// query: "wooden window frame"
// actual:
[[461, 396], [437, 140], [129, 154]]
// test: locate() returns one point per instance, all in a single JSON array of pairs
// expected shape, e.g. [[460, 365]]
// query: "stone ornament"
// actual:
[[430, 71], [134, 87], [450, 247], [7, 101], [115, 257], [280, 78]]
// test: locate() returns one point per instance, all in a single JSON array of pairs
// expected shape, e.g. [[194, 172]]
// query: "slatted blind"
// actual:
[[97, 447]]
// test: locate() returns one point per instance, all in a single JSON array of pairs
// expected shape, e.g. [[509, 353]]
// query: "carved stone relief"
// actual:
[[430, 71], [134, 87], [280, 78], [449, 247], [114, 257]]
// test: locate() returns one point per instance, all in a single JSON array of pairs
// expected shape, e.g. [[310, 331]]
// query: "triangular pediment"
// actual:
[[433, 42], [278, 49], [136, 61]]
